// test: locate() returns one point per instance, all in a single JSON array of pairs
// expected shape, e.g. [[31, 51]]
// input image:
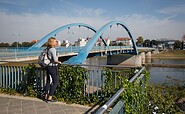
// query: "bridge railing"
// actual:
[[16, 53]]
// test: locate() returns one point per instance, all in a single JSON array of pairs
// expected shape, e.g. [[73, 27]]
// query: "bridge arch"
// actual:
[[53, 33], [82, 55]]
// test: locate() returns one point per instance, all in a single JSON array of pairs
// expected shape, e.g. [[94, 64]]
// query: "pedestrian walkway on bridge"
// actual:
[[10, 104]]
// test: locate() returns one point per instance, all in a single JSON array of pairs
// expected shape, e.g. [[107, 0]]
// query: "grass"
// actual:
[[171, 54]]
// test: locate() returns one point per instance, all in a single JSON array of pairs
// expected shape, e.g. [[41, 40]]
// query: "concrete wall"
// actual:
[[129, 60], [117, 59], [124, 59]]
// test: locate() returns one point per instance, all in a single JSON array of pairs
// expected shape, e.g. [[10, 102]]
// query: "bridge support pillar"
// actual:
[[148, 54], [117, 59], [142, 58], [155, 51], [148, 57], [125, 60], [133, 61]]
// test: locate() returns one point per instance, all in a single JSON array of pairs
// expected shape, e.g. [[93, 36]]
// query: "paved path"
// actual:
[[26, 105]]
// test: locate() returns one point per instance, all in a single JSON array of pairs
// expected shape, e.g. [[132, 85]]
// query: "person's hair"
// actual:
[[51, 42]]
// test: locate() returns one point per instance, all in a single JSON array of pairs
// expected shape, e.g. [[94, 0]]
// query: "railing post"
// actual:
[[1, 76]]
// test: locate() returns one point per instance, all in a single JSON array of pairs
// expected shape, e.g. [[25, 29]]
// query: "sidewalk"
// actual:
[[26, 105]]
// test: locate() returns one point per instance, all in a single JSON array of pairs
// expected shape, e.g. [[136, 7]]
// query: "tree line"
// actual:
[[154, 43], [140, 42], [16, 44]]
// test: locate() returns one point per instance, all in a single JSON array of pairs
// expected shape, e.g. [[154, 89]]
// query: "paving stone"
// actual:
[[22, 105], [3, 111]]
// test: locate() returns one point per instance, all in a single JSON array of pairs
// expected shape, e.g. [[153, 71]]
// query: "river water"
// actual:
[[157, 74], [160, 74]]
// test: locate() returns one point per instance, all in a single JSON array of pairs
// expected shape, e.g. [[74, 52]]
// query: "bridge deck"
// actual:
[[24, 55]]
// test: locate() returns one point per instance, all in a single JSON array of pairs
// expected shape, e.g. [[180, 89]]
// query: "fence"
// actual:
[[15, 76]]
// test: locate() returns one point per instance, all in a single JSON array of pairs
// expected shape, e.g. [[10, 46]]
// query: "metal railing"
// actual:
[[119, 106], [12, 75], [14, 53]]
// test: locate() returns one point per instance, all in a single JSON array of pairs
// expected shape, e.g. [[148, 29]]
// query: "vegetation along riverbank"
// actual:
[[168, 54], [172, 91], [174, 54]]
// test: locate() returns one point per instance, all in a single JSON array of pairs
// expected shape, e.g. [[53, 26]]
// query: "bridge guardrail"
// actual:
[[16, 53]]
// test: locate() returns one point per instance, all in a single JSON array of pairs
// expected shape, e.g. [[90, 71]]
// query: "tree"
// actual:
[[120, 44], [146, 43], [153, 43], [15, 44], [139, 41], [4, 44], [27, 44], [178, 45], [113, 43]]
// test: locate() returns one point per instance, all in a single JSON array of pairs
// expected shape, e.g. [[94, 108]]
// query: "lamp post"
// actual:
[[17, 46], [18, 35]]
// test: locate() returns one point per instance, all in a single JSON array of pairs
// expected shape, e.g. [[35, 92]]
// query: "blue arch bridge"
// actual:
[[13, 76], [76, 54], [83, 53]]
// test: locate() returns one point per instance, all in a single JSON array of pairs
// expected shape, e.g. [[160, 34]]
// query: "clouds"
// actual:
[[177, 10], [89, 12], [152, 27], [33, 25]]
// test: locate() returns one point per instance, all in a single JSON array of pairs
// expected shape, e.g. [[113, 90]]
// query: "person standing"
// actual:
[[52, 70]]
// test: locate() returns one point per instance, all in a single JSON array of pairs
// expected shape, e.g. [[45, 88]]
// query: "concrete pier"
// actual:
[[125, 60], [129, 60]]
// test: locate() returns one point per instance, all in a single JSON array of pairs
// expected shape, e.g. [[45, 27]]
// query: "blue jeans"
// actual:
[[52, 79]]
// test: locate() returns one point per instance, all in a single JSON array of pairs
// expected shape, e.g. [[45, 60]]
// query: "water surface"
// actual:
[[157, 74]]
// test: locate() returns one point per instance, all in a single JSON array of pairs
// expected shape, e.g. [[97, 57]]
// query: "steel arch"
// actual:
[[82, 55], [53, 33]]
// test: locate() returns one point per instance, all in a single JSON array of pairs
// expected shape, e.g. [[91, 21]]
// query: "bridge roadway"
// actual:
[[24, 55]]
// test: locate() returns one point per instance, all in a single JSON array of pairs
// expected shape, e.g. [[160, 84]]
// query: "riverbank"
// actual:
[[165, 65], [174, 54]]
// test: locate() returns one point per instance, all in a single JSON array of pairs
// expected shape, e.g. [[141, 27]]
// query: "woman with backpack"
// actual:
[[52, 69]]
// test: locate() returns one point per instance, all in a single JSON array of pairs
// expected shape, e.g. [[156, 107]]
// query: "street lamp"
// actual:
[[16, 50]]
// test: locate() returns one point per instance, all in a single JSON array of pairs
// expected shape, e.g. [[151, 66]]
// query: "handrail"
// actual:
[[110, 66], [102, 109], [25, 53], [94, 71]]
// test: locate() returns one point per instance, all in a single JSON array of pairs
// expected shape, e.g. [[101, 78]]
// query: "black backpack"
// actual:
[[43, 58]]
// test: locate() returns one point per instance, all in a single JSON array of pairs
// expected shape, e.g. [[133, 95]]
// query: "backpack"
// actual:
[[43, 58]]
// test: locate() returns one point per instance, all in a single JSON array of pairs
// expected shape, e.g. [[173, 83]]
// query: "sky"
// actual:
[[25, 20]]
